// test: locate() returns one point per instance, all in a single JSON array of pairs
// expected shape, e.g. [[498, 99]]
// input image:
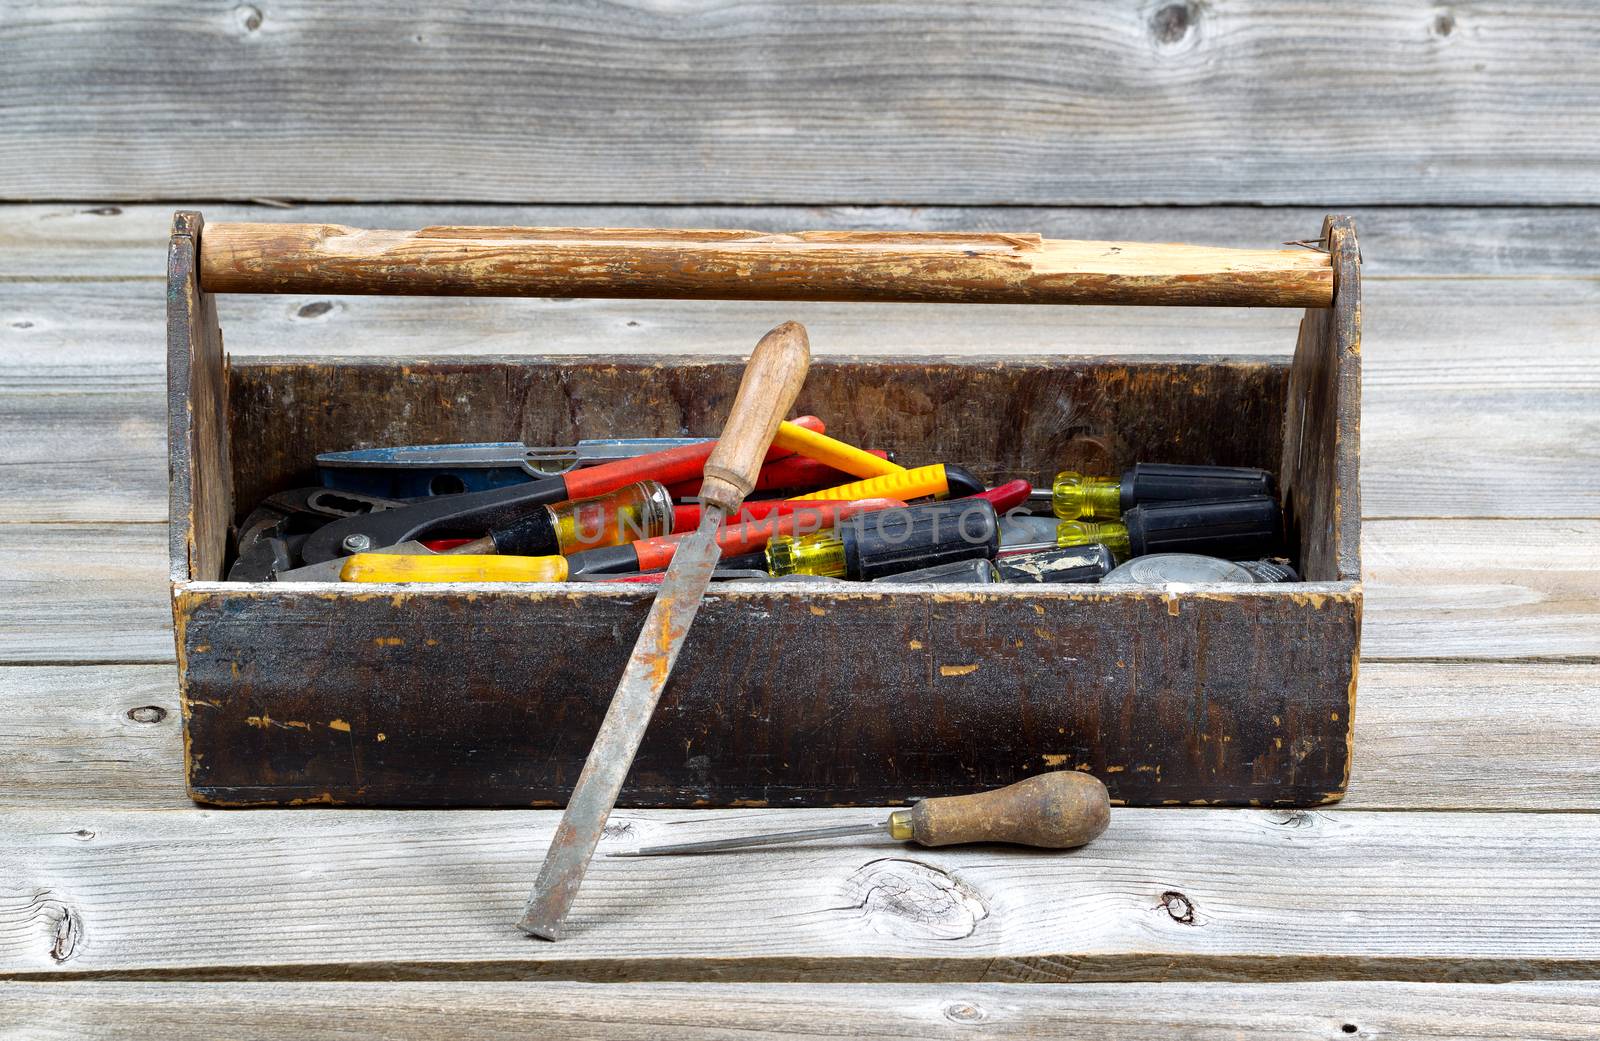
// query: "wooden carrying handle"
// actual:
[[930, 267], [771, 382], [1052, 811]]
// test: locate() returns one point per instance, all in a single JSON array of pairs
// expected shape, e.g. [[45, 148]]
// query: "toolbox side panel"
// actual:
[[197, 414], [1001, 418], [445, 697], [1321, 467]]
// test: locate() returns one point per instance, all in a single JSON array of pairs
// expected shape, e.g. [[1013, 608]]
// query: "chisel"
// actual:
[[771, 382], [1056, 810]]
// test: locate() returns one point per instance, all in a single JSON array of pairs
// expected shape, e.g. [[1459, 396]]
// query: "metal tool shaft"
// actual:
[[744, 841], [611, 756]]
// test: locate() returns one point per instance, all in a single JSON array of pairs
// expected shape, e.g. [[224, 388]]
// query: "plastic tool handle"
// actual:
[[387, 567], [906, 485], [772, 380], [835, 453], [1051, 811], [668, 467]]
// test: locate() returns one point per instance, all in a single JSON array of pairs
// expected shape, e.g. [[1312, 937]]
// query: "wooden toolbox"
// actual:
[[784, 696]]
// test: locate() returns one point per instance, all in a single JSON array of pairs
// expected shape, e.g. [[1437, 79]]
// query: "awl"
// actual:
[[771, 382], [1058, 810]]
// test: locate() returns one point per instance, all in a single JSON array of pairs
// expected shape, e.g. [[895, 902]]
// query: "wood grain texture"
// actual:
[[1247, 100], [97, 593], [201, 478], [514, 1011], [1319, 472], [1428, 736], [85, 593], [1162, 895], [81, 374], [1482, 589], [1015, 267], [82, 736], [116, 241], [1477, 736]]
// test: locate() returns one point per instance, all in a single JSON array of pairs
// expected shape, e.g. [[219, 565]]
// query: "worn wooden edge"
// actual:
[[1340, 234], [183, 300], [514, 1011], [882, 266]]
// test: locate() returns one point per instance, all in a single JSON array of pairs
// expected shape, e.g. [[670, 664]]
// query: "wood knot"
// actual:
[[1444, 25], [1292, 819], [913, 901], [315, 309], [1178, 907], [247, 17], [67, 932], [1172, 24], [964, 1012], [147, 714]]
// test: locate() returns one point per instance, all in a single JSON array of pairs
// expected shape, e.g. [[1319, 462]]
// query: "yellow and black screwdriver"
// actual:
[[1056, 810], [1074, 495]]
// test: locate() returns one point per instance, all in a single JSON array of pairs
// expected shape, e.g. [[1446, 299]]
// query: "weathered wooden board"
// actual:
[[514, 1011], [106, 241], [1162, 895], [1482, 589], [1451, 736], [105, 735], [1248, 101], [1440, 388], [97, 593], [85, 593], [1476, 736]]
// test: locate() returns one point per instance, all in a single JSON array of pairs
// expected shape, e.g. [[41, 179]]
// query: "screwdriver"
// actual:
[[1232, 528], [1075, 495], [1057, 810]]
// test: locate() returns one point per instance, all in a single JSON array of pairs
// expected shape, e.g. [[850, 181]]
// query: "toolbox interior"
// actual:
[[1002, 418]]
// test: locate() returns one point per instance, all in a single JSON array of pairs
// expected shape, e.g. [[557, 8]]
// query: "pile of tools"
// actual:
[[823, 510]]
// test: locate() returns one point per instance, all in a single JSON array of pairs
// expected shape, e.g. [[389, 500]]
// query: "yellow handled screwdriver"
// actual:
[[1056, 810]]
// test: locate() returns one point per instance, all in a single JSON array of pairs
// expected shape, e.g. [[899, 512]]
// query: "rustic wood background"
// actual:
[[1465, 139]]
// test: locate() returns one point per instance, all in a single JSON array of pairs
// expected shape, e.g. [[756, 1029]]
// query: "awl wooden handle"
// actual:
[[1052, 811], [771, 382]]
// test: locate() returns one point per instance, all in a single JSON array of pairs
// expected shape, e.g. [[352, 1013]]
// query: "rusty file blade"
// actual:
[[677, 602]]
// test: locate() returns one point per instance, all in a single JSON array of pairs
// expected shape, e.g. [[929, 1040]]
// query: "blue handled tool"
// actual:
[[415, 471]]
